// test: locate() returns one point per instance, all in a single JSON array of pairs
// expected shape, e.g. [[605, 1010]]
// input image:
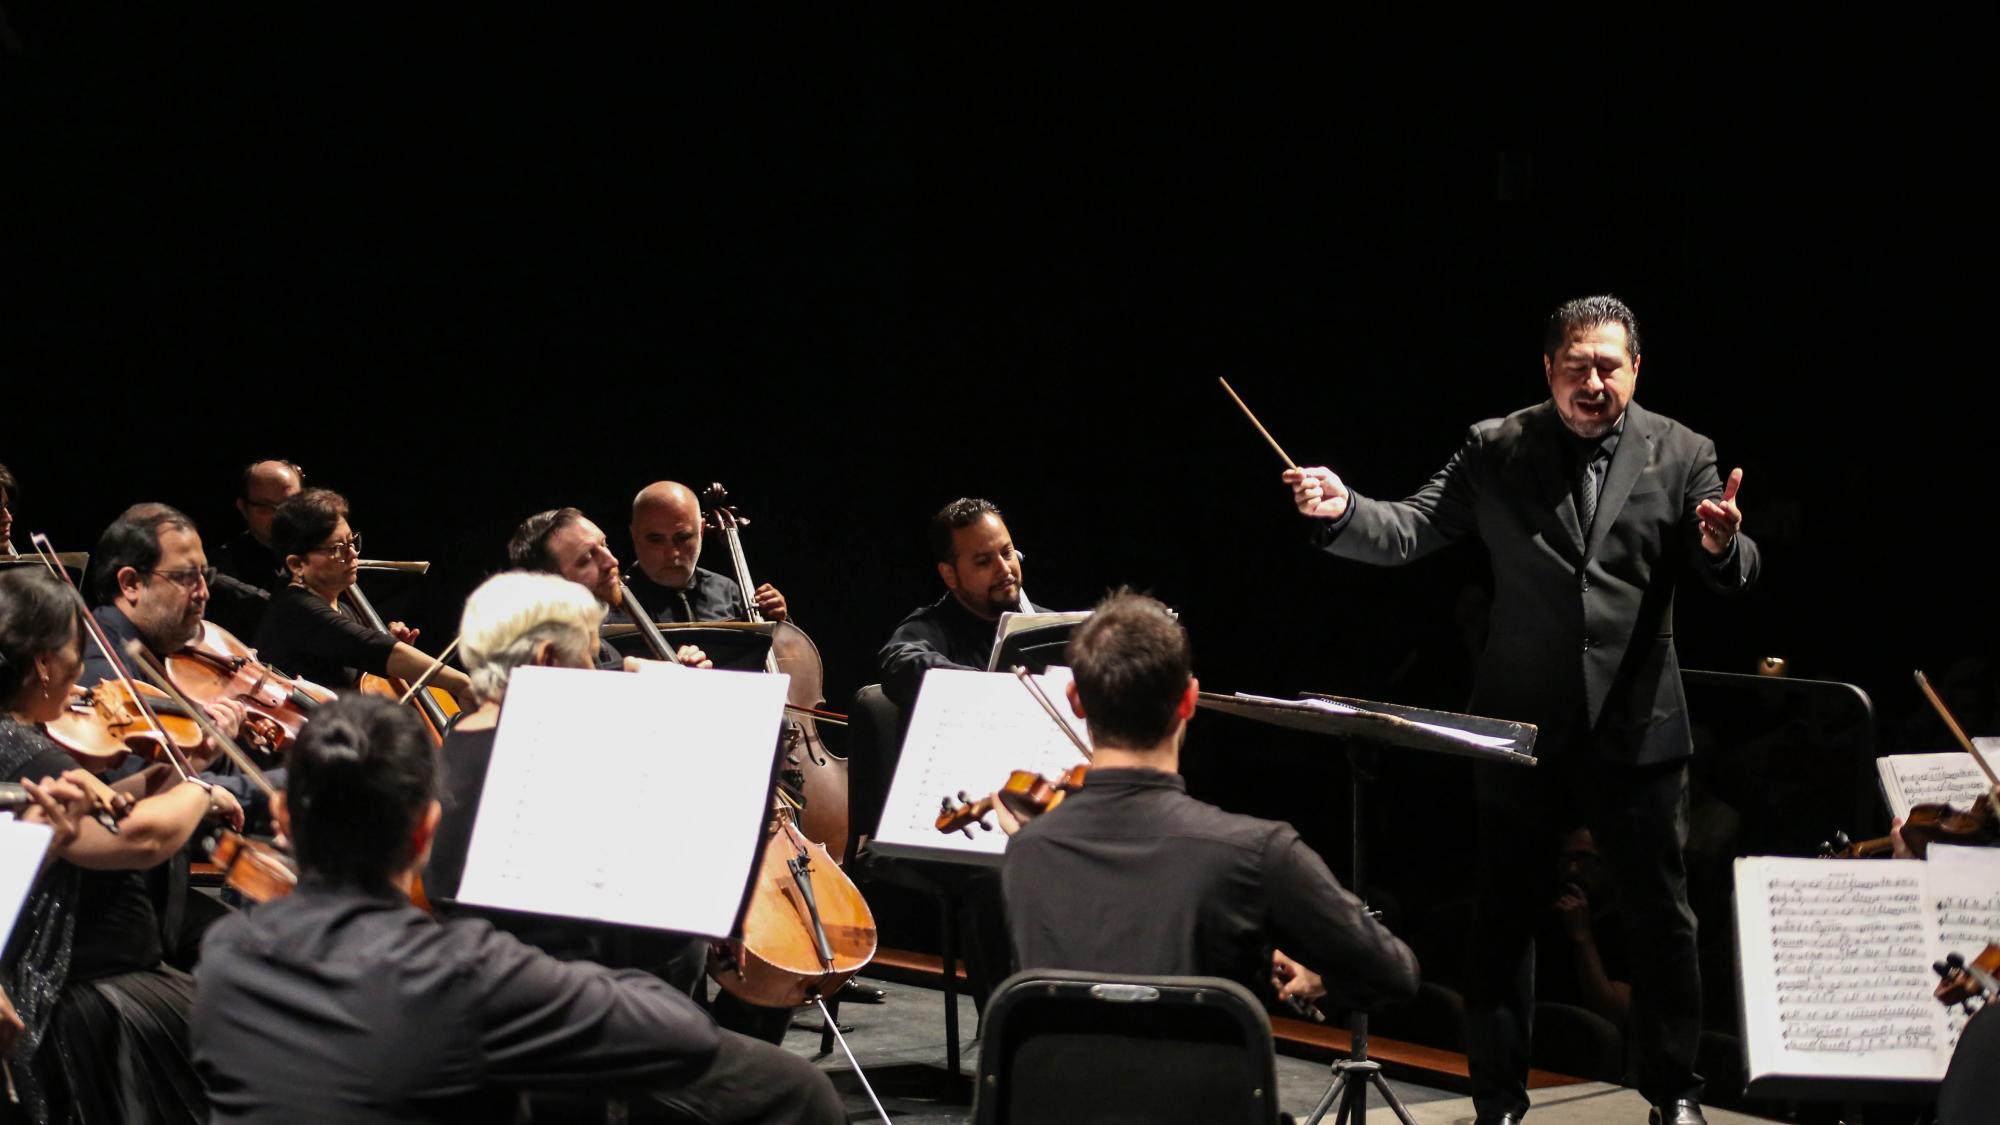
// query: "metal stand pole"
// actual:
[[1353, 1075]]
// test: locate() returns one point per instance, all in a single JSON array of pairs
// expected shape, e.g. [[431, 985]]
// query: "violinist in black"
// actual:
[[306, 631], [981, 571]]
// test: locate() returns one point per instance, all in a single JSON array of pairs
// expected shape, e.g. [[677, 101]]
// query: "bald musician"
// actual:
[[666, 539]]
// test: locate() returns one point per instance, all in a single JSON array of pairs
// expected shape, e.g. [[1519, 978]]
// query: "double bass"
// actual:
[[822, 774]]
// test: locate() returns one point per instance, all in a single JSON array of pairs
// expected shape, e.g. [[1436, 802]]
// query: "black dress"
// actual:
[[303, 636], [107, 1035]]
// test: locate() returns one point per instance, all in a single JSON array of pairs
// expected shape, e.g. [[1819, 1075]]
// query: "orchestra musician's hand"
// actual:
[[1572, 909], [1008, 822], [11, 1027], [1898, 847], [403, 632], [60, 804], [770, 602], [1295, 983], [689, 656], [223, 806], [1317, 492], [227, 715], [1721, 519]]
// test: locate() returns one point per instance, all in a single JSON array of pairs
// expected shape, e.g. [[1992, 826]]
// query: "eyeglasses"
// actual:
[[347, 548], [190, 578]]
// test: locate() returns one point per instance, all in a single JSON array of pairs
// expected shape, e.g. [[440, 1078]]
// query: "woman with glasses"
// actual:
[[307, 630]]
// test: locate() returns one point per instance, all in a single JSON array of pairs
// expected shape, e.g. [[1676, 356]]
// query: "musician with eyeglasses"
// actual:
[[308, 631]]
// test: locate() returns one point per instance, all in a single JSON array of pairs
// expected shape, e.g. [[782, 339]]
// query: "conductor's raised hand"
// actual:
[[1721, 519], [1317, 492]]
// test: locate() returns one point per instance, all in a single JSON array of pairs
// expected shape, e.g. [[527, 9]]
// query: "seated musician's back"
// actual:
[[1131, 875], [342, 1002]]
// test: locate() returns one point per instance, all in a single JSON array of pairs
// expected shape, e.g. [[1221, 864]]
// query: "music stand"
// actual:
[[1032, 640], [737, 646], [1359, 722]]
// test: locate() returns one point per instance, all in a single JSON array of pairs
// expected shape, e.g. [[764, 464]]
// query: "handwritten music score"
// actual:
[[1837, 955], [969, 730], [1953, 777]]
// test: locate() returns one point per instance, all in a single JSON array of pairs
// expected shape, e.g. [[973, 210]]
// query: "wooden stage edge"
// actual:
[[1408, 1062]]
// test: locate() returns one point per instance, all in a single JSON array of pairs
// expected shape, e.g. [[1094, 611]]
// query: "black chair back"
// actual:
[[1062, 1047]]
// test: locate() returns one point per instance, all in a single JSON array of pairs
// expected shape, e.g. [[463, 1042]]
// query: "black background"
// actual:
[[465, 266]]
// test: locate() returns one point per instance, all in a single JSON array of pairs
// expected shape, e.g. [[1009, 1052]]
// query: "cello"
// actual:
[[822, 774], [435, 705]]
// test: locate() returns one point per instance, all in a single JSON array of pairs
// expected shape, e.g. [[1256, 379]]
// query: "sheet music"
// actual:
[[968, 732], [1952, 777], [1335, 707], [22, 846], [597, 778], [1965, 894], [1836, 958]]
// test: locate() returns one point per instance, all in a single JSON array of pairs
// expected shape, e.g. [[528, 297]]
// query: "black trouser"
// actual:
[[754, 1081], [1639, 818]]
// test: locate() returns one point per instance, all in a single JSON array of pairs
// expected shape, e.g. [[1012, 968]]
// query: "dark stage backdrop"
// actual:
[[467, 266]]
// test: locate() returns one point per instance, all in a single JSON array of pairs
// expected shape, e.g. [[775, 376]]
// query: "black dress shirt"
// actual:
[[709, 597], [1131, 875], [336, 1004], [248, 574], [943, 634], [303, 636]]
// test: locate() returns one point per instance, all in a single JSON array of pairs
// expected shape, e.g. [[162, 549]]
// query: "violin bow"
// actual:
[[1957, 731], [1027, 679], [423, 681]]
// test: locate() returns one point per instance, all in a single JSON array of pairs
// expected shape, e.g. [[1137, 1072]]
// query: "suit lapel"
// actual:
[[1635, 452], [1557, 505]]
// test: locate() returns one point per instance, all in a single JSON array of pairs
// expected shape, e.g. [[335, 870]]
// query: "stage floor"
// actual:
[[901, 1045]]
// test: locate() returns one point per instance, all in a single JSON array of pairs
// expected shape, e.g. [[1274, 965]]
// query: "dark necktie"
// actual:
[[1586, 489]]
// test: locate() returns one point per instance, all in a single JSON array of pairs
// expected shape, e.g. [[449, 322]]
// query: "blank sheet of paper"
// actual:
[[637, 799], [22, 846]]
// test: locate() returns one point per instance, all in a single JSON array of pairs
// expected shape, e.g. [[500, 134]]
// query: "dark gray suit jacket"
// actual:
[[1580, 632]]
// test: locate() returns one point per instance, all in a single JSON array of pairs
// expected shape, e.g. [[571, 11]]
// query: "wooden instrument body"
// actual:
[[777, 963]]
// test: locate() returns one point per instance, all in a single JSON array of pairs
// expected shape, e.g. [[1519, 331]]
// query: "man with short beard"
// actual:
[[1592, 509], [981, 572]]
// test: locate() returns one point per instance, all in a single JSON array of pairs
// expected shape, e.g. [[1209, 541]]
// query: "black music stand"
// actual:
[[1374, 724], [1033, 647], [737, 646]]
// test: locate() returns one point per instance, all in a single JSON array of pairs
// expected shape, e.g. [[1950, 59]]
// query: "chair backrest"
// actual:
[[874, 743], [1106, 1049]]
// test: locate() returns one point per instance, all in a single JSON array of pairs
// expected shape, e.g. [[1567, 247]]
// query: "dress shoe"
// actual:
[[1503, 1119], [1687, 1111], [855, 992]]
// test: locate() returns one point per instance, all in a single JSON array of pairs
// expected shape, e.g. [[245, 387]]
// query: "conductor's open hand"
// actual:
[[1721, 519], [1317, 492]]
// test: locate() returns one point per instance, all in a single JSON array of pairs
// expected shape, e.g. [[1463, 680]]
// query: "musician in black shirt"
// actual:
[[666, 541], [981, 571]]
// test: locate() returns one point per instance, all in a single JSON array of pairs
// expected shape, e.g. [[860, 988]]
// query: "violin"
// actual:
[[216, 665], [262, 875], [822, 775], [1026, 795], [102, 724], [1962, 982], [1934, 823], [435, 704], [807, 929]]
